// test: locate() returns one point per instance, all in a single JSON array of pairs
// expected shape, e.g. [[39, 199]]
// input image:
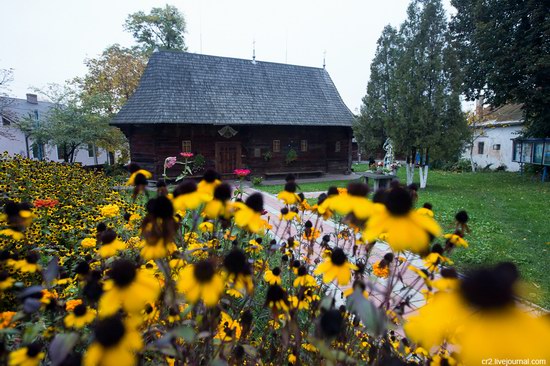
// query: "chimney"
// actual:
[[32, 98]]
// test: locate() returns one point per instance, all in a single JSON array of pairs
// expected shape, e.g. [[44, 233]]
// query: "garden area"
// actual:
[[509, 219], [92, 276]]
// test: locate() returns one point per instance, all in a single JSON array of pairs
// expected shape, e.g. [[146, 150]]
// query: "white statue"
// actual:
[[388, 158]]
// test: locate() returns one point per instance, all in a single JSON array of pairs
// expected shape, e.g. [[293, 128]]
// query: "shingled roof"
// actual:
[[180, 87]]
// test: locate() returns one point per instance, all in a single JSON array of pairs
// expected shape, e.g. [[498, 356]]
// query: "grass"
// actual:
[[508, 218]]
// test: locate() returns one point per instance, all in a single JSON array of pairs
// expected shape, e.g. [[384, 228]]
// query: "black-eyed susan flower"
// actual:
[[11, 233], [330, 324], [277, 299], [128, 289], [110, 244], [80, 316], [18, 215], [406, 229], [27, 356], [200, 281], [288, 194], [254, 246], [357, 285], [206, 227], [381, 269], [210, 180], [158, 229], [115, 344], [237, 271], [354, 201], [298, 302], [289, 214], [248, 214], [6, 319], [138, 179], [426, 209], [303, 278], [29, 263], [228, 329], [6, 281], [88, 243], [219, 205], [187, 197], [455, 240], [337, 267], [273, 277]]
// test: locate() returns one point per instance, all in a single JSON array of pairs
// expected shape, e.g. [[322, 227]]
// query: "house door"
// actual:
[[228, 157]]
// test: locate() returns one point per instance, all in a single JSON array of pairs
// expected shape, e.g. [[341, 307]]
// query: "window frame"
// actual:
[[480, 147], [186, 146], [338, 146], [303, 145], [276, 146]]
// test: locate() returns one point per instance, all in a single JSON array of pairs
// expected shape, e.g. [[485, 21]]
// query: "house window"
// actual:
[[91, 151], [337, 146], [5, 121], [303, 145], [496, 147], [257, 152], [480, 147], [186, 146], [276, 145]]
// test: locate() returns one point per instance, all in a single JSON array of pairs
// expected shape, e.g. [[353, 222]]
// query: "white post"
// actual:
[[410, 172], [423, 176]]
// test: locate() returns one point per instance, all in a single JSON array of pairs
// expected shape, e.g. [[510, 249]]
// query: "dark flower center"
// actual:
[[275, 293], [140, 180], [332, 191], [399, 201], [490, 288], [210, 176], [82, 268], [284, 210], [427, 205], [32, 258], [462, 217], [389, 257], [222, 192], [255, 202], [148, 309], [101, 227], [79, 310], [4, 276], [33, 349], [186, 187], [290, 187], [276, 271], [203, 271], [123, 272], [108, 236], [235, 262], [338, 257], [173, 311], [160, 207], [449, 273], [302, 271], [331, 323], [108, 332], [358, 189]]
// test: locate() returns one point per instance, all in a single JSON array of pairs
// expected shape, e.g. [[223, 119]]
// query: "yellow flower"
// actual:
[[292, 358], [304, 279], [248, 214], [298, 303], [228, 329], [88, 243], [26, 356], [337, 267], [115, 344], [140, 172], [71, 304], [29, 264], [6, 319], [156, 250], [456, 240], [381, 270], [187, 197], [80, 317], [14, 234], [5, 281], [289, 215], [277, 299], [206, 227], [406, 229], [273, 277], [288, 195], [209, 183], [110, 210], [110, 244], [128, 289], [353, 201], [200, 281]]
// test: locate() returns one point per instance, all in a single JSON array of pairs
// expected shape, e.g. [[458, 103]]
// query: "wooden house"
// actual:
[[268, 117]]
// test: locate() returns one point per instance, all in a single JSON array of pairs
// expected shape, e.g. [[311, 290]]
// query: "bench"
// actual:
[[380, 180], [301, 174]]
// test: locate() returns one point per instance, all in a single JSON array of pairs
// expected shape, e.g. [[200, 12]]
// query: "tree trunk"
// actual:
[[423, 176], [410, 172], [472, 159]]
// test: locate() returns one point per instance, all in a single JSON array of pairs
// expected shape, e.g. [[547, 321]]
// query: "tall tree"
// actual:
[[429, 119], [504, 51], [380, 103], [162, 28], [115, 74]]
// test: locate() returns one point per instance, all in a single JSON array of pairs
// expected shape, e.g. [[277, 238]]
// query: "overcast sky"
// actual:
[[47, 41]]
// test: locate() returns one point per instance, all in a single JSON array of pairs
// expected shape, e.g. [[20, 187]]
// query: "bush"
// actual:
[[257, 180]]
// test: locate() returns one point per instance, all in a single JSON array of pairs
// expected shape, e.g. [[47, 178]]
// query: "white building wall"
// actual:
[[496, 136]]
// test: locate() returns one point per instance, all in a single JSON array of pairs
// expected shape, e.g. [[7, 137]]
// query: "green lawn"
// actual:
[[509, 218]]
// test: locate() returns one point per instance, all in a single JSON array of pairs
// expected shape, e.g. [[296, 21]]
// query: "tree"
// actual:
[[74, 121], [115, 75], [6, 77], [429, 121], [162, 28], [503, 48], [380, 104]]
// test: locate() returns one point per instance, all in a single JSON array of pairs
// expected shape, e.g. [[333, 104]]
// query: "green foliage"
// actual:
[[162, 28], [198, 163], [379, 106], [257, 181], [291, 156], [503, 52], [413, 93]]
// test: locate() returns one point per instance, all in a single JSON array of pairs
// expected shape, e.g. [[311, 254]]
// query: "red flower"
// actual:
[[241, 173], [186, 154], [45, 203]]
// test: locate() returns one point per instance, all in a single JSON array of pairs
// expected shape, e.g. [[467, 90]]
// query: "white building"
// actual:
[[493, 145], [14, 140]]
